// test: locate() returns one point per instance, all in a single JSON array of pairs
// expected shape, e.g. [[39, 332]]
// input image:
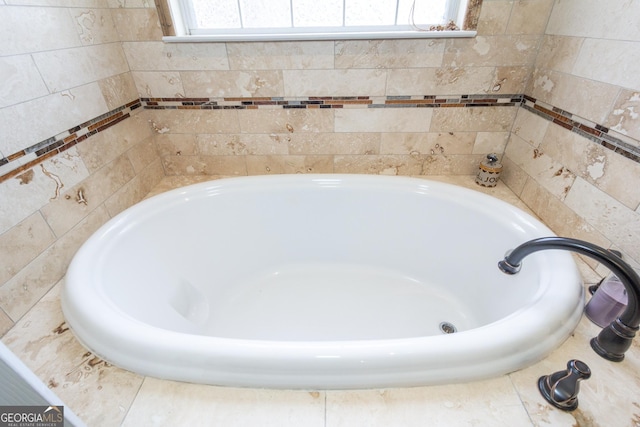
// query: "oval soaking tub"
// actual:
[[320, 282]]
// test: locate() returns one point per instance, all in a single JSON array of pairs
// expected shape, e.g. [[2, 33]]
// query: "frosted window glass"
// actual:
[[429, 12], [368, 12], [265, 13], [317, 13], [258, 20], [216, 13]]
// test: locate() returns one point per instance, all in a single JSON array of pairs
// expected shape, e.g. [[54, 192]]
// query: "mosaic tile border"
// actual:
[[38, 153], [597, 133], [421, 101], [25, 159]]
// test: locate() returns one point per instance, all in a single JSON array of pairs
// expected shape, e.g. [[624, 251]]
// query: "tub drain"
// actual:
[[447, 328]]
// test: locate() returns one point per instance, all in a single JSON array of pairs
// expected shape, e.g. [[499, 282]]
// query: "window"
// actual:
[[247, 20]]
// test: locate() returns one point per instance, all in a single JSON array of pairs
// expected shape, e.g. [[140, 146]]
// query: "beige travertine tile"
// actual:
[[427, 143], [625, 116], [494, 17], [78, 201], [241, 144], [91, 63], [602, 167], [5, 322], [286, 121], [530, 127], [25, 289], [511, 80], [558, 53], [301, 55], [120, 138], [529, 16], [558, 217], [142, 155], [389, 53], [263, 83], [177, 181], [333, 143], [137, 24], [158, 84], [482, 119], [22, 243], [588, 18], [170, 144], [383, 120], [159, 56], [130, 3], [194, 121], [18, 130], [266, 165], [173, 403], [482, 403], [440, 81], [136, 189], [513, 175], [583, 97], [490, 142], [608, 398], [610, 61], [50, 28], [95, 26], [341, 82], [546, 170], [204, 165], [38, 186], [21, 80], [118, 90], [615, 221], [500, 191], [455, 164], [390, 164], [59, 3], [100, 393], [514, 50]]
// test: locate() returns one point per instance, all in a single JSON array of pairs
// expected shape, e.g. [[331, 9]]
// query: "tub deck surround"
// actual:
[[319, 282], [80, 378]]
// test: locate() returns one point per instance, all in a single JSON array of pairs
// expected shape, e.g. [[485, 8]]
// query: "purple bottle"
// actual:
[[608, 302]]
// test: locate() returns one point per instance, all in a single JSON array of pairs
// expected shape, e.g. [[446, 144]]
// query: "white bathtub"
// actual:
[[320, 282]]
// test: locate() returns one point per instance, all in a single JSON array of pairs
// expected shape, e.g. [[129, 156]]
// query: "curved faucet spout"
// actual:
[[614, 340]]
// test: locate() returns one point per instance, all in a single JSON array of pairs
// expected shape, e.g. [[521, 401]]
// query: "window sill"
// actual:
[[373, 35]]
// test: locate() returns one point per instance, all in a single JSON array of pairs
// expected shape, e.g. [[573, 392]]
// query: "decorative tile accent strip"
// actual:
[[37, 153], [23, 160], [594, 132], [422, 101]]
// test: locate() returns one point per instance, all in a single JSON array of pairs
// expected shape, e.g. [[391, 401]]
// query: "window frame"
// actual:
[[174, 22]]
